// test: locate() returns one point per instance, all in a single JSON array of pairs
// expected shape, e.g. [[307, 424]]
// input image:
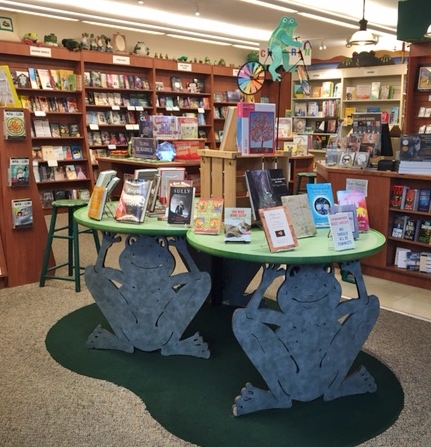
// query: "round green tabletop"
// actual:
[[310, 250], [150, 227]]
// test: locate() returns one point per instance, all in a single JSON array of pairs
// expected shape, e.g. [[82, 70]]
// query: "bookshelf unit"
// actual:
[[62, 106], [380, 184], [346, 100], [186, 91], [419, 56], [317, 114]]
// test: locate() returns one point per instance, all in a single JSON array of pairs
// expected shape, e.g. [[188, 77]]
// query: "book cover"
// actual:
[[45, 78], [265, 188], [399, 226], [22, 213], [176, 84], [71, 172], [341, 234], [396, 193], [278, 228], [300, 212], [320, 198], [14, 125], [356, 197], [411, 199], [237, 224], [410, 229], [350, 210], [164, 126], [19, 169], [208, 215], [169, 173], [97, 202], [133, 201], [154, 193], [180, 206], [424, 200], [424, 235], [187, 127], [284, 127], [255, 128]]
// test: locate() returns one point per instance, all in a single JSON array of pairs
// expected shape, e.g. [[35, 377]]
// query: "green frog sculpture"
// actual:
[[305, 349], [147, 307], [281, 38]]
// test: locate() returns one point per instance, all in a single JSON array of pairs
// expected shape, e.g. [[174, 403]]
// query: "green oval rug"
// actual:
[[192, 397]]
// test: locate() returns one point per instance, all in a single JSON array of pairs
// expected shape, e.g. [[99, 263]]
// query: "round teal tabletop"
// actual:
[[310, 250], [150, 227]]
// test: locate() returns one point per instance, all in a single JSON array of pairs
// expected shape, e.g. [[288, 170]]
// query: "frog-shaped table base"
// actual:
[[305, 349], [146, 306]]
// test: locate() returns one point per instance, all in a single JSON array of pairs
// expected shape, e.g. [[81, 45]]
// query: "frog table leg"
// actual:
[[362, 316]]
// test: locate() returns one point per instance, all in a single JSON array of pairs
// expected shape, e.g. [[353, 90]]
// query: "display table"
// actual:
[[304, 345], [147, 306]]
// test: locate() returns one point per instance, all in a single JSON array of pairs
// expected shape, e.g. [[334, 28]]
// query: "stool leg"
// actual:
[[71, 241], [76, 262], [48, 247], [298, 185]]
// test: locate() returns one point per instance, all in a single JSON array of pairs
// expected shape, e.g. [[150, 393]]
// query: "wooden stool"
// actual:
[[74, 268], [310, 176]]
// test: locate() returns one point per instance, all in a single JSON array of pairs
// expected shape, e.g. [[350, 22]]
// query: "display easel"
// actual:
[[23, 248]]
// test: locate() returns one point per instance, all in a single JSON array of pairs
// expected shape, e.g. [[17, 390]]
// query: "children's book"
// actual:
[[237, 224], [300, 212], [208, 215], [356, 197], [14, 125], [278, 228], [320, 198], [265, 188], [22, 213], [19, 171]]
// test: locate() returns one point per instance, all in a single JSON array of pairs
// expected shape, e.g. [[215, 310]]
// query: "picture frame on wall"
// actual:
[[6, 24], [424, 79]]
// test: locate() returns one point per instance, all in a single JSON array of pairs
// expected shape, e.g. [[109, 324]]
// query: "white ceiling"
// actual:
[[250, 22]]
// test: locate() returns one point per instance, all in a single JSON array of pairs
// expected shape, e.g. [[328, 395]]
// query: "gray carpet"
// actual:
[[42, 404]]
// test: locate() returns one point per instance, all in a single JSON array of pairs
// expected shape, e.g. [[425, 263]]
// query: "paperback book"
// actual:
[[133, 201], [356, 197], [14, 125], [278, 228], [19, 171], [208, 216], [97, 203], [237, 224], [300, 212], [22, 213]]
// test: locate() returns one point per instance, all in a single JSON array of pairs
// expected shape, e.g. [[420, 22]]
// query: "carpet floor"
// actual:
[[45, 404]]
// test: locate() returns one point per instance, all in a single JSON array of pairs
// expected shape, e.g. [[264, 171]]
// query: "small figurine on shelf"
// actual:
[[182, 58], [31, 39], [93, 42], [207, 60], [108, 45], [141, 49], [84, 41], [50, 39], [100, 43], [71, 44]]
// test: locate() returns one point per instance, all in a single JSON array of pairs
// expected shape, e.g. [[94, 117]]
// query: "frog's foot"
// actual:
[[102, 339], [275, 76], [359, 382], [254, 399], [194, 346]]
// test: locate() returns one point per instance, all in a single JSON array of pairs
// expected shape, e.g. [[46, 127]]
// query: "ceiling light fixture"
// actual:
[[362, 36], [322, 45], [270, 6], [196, 39], [197, 13], [428, 33]]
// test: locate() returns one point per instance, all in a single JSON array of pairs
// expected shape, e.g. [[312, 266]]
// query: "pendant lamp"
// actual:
[[362, 36], [428, 33]]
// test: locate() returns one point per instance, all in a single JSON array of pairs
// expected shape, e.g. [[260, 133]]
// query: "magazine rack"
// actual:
[[23, 248]]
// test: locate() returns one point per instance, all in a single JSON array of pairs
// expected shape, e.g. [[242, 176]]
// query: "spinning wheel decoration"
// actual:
[[251, 77]]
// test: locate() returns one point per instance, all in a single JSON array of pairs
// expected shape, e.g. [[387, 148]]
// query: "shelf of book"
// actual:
[[382, 218]]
